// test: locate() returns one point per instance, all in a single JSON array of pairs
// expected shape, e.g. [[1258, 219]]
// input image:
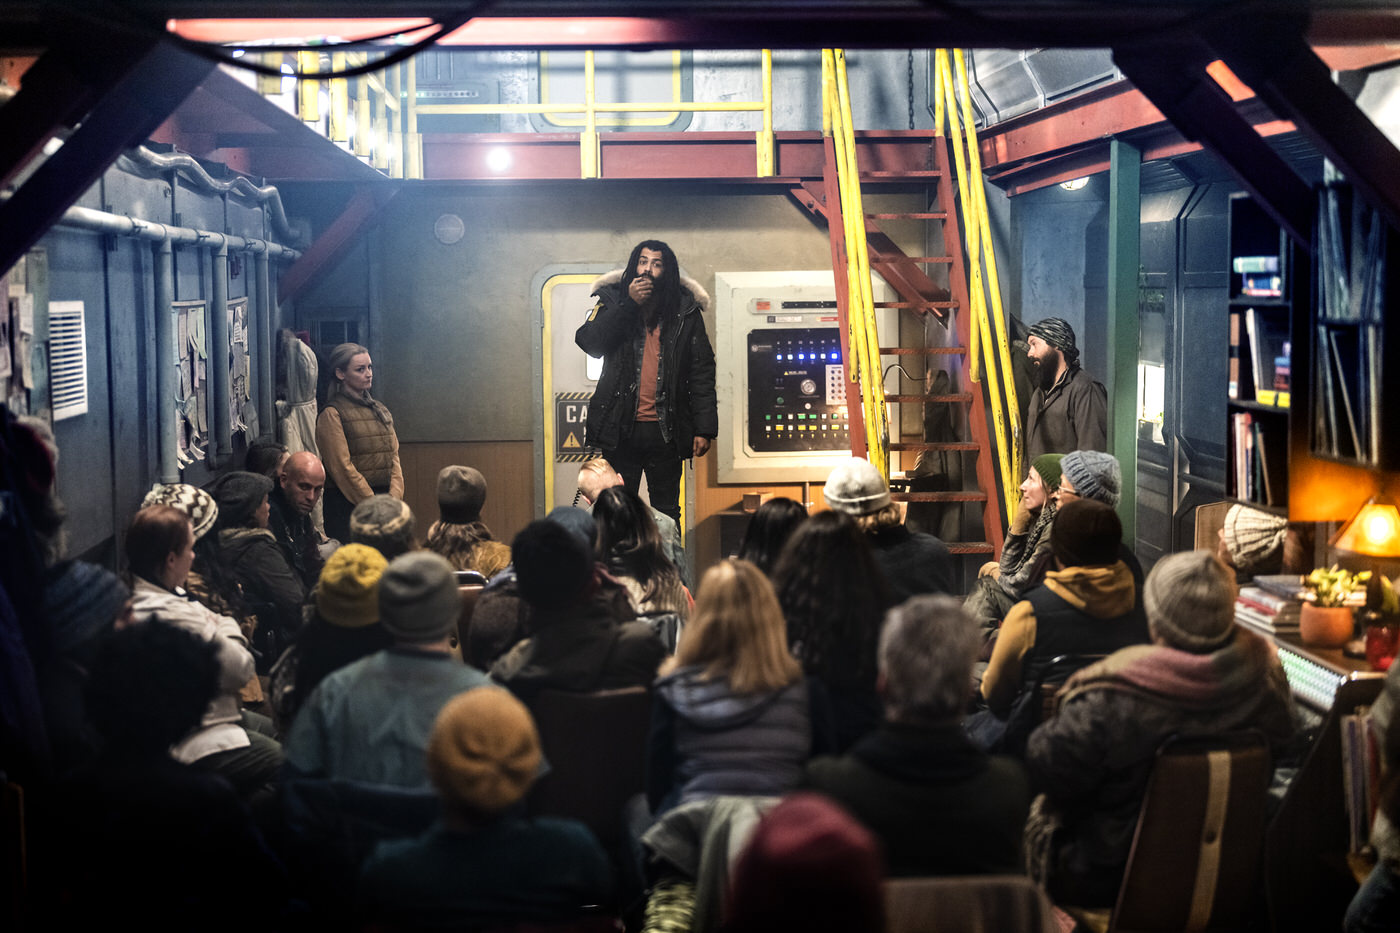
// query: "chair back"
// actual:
[[1196, 857], [1037, 703], [471, 592], [596, 745], [967, 904]]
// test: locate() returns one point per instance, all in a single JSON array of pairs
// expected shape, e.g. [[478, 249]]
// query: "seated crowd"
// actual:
[[263, 726]]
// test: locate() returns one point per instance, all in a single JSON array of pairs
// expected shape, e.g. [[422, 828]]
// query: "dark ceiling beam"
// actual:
[[1296, 84], [1174, 78], [155, 82], [719, 25], [364, 206]]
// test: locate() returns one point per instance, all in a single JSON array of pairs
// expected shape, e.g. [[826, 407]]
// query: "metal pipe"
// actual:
[[266, 424], [85, 218], [222, 439], [167, 363], [145, 163]]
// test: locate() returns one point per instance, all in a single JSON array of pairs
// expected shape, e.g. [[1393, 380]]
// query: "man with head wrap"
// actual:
[[1069, 408]]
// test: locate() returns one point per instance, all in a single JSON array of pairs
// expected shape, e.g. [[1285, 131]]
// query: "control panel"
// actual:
[[797, 390], [780, 376]]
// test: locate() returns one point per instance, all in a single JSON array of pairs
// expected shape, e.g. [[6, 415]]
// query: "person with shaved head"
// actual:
[[292, 500]]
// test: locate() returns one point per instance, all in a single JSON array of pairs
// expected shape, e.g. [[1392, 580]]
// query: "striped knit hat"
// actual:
[[193, 501], [1057, 332]]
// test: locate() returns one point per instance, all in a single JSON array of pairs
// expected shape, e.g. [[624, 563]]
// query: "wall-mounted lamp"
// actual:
[[1074, 184]]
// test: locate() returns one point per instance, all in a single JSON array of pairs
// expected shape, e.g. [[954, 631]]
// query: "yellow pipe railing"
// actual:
[[398, 146], [977, 234], [863, 362]]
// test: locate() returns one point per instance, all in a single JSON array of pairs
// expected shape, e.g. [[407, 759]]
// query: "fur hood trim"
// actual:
[[615, 277]]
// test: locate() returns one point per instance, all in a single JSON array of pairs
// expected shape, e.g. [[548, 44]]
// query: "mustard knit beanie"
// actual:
[[484, 751], [347, 594]]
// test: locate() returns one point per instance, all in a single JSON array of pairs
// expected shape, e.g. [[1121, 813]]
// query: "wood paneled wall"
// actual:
[[509, 468]]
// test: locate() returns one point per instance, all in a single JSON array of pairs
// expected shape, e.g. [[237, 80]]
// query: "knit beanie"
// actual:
[[1085, 533], [347, 594], [1190, 601], [461, 493], [418, 597], [809, 866], [856, 488], [1057, 332], [577, 522], [81, 600], [239, 494], [1095, 475], [1253, 537], [383, 522], [1047, 466], [553, 566], [193, 501], [484, 751]]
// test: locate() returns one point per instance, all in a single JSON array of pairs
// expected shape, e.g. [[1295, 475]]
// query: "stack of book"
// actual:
[[1360, 774], [1271, 605]]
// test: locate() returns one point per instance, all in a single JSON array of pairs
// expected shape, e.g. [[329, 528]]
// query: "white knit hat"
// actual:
[[856, 488]]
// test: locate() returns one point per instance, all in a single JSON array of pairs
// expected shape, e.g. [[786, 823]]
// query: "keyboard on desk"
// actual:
[[1312, 683]]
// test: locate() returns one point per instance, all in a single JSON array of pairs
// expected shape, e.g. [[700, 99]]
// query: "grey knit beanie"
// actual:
[[1095, 475], [239, 495], [461, 492], [856, 488], [383, 523], [418, 597], [1190, 601]]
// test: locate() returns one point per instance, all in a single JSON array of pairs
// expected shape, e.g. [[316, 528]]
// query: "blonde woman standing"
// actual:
[[355, 434]]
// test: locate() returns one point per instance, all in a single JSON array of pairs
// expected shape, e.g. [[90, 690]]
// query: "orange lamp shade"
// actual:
[[1373, 531]]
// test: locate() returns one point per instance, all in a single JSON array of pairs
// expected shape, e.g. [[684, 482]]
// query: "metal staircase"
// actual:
[[965, 328]]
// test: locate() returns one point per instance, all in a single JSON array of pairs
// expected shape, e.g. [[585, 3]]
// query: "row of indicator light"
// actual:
[[833, 357], [805, 427], [804, 416]]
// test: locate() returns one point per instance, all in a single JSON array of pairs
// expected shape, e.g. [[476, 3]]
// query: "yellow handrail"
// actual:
[[977, 234], [974, 155], [863, 364]]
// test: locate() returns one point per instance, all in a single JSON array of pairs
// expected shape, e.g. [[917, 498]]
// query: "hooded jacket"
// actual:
[[1078, 610], [707, 740], [686, 405]]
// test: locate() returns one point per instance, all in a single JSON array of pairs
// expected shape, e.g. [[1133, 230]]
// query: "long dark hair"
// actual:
[[668, 287], [833, 596], [769, 529], [630, 545]]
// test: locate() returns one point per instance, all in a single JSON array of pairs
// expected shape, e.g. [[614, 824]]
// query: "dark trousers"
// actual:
[[644, 451]]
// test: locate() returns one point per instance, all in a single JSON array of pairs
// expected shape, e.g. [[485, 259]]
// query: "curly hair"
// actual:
[[834, 597], [456, 541]]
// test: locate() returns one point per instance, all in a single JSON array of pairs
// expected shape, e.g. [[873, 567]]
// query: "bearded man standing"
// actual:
[[1069, 408], [655, 401]]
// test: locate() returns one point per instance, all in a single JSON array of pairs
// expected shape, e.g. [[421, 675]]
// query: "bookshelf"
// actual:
[[1267, 276], [1349, 347]]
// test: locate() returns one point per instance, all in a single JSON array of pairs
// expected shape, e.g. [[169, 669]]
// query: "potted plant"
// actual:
[[1326, 620]]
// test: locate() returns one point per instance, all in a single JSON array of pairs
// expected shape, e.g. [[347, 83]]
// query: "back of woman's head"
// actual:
[[736, 630], [627, 537], [769, 529], [833, 595], [156, 532]]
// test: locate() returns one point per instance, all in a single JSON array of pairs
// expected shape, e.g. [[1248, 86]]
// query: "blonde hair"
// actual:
[[737, 632], [872, 521], [340, 359], [590, 477]]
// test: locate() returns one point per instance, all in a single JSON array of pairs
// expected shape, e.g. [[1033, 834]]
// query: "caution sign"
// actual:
[[570, 416]]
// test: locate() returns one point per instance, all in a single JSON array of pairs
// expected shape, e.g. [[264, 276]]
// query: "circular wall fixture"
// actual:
[[449, 229]]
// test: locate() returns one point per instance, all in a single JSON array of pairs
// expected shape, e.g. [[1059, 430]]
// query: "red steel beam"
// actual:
[[364, 206], [730, 157]]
